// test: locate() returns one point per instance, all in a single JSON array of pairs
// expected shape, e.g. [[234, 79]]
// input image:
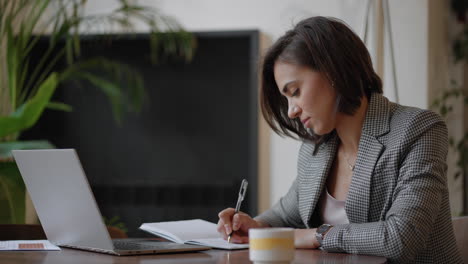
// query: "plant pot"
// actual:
[[12, 194]]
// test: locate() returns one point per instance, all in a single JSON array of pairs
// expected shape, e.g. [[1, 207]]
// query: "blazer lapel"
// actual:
[[376, 124], [357, 201], [313, 177]]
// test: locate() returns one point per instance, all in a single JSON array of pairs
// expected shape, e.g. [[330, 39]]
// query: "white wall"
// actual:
[[274, 17], [410, 35]]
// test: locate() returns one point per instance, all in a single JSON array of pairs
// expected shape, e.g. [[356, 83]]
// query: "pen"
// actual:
[[240, 198]]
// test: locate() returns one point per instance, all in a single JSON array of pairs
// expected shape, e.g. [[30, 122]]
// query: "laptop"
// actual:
[[68, 211]]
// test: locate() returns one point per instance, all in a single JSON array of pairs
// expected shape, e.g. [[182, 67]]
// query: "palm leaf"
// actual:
[[59, 106], [28, 114], [7, 147], [12, 65], [119, 82]]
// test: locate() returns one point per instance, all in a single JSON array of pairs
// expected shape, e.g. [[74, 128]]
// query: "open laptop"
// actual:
[[67, 209]]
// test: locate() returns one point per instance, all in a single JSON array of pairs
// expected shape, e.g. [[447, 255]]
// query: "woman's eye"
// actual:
[[296, 92]]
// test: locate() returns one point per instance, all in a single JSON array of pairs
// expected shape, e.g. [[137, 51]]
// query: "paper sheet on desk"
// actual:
[[27, 245]]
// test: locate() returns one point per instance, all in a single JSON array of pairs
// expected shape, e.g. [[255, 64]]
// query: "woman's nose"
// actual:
[[293, 111]]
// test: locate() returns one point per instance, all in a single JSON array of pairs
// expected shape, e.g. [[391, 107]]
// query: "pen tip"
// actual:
[[229, 239]]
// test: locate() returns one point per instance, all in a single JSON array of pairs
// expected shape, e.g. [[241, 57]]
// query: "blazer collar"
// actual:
[[313, 176], [376, 124], [377, 120]]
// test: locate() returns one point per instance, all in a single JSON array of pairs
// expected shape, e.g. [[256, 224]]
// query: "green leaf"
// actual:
[[28, 113], [69, 50], [443, 110], [109, 88], [12, 62], [38, 8], [115, 222], [7, 147], [44, 70], [121, 83], [449, 109], [59, 106], [64, 23]]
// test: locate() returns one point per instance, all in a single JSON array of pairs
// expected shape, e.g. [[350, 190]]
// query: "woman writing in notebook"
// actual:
[[371, 174]]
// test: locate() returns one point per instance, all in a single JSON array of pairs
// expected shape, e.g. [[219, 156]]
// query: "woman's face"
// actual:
[[311, 97]]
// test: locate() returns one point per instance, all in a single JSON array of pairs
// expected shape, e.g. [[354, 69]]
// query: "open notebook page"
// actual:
[[195, 231], [217, 243]]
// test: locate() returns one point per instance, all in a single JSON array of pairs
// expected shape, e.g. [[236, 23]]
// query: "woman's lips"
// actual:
[[305, 121]]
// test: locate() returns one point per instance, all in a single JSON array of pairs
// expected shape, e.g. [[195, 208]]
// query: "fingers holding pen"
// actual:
[[241, 223], [225, 221], [221, 229], [240, 220], [227, 216], [239, 238], [234, 224]]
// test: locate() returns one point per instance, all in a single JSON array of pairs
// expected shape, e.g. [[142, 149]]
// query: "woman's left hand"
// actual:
[[305, 238]]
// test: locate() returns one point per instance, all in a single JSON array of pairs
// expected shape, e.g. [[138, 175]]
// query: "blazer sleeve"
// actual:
[[284, 213], [416, 200]]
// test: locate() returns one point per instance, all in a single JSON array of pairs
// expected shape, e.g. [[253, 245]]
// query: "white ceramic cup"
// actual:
[[271, 245]]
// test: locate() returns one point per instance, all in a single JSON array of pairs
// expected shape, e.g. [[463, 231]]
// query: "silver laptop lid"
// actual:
[[62, 197]]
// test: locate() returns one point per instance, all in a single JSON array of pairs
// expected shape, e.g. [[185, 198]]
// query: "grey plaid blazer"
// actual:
[[397, 203]]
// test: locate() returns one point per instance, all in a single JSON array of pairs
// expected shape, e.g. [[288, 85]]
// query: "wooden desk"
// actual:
[[210, 256]]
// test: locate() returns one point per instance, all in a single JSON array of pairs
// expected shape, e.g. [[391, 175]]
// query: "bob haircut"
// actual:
[[328, 46]]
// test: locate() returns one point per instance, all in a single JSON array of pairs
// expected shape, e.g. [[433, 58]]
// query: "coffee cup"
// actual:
[[271, 245]]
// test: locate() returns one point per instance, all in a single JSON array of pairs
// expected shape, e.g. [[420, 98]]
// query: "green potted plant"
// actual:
[[26, 92]]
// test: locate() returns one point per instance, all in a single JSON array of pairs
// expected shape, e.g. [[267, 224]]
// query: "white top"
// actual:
[[332, 210]]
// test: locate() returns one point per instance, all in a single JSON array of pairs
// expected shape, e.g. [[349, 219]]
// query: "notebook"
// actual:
[[195, 232]]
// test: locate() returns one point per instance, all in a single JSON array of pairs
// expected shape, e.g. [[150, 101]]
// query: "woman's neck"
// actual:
[[349, 128]]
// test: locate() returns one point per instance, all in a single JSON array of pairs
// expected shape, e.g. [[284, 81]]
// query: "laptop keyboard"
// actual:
[[126, 245]]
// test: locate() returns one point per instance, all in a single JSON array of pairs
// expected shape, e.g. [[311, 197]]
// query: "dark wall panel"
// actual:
[[186, 153]]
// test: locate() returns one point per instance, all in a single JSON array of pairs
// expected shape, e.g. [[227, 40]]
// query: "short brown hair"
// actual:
[[325, 45]]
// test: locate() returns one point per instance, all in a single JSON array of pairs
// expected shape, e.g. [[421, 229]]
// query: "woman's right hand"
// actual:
[[239, 222]]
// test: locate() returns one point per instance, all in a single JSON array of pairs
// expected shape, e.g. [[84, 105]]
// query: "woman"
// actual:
[[371, 175]]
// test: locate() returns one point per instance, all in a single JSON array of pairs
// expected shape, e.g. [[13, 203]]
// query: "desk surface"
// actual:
[[211, 256]]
